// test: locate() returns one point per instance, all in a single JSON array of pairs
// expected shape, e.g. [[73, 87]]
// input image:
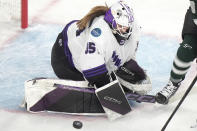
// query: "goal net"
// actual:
[[14, 11]]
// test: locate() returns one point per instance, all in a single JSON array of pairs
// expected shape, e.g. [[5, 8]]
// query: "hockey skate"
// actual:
[[166, 93]]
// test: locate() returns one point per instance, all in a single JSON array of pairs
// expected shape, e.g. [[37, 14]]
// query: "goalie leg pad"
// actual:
[[77, 102], [45, 95]]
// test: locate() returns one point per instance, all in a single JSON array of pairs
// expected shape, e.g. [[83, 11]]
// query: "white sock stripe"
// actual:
[[195, 21], [179, 72], [175, 80], [192, 4], [180, 63]]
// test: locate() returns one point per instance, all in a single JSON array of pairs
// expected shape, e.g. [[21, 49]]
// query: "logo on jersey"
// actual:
[[116, 60], [96, 32], [122, 42]]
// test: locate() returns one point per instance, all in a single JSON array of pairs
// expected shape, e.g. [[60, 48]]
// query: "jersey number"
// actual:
[[90, 48]]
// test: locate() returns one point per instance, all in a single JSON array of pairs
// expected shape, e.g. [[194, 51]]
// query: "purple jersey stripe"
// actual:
[[95, 74], [74, 88], [94, 69], [66, 48]]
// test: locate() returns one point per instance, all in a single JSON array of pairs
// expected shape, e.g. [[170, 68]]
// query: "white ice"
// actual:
[[25, 54]]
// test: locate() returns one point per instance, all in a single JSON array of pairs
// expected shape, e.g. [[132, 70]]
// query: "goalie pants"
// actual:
[[60, 63]]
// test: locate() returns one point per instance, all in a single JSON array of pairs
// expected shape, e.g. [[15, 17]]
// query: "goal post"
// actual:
[[14, 11], [24, 14]]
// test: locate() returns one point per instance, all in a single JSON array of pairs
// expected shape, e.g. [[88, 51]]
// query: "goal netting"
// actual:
[[14, 11]]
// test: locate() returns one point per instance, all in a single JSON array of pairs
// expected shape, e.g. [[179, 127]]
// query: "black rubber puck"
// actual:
[[77, 124]]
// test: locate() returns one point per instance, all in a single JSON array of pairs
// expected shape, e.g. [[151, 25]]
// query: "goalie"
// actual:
[[91, 49], [101, 42]]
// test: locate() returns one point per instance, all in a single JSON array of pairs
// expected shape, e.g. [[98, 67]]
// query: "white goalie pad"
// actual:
[[142, 87], [35, 89]]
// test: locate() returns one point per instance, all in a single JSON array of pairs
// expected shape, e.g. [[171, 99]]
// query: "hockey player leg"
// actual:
[[113, 100], [182, 62]]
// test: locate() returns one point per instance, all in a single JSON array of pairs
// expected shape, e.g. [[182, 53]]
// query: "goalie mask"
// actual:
[[120, 18]]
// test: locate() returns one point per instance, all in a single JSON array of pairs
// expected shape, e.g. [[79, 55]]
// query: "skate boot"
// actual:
[[166, 93]]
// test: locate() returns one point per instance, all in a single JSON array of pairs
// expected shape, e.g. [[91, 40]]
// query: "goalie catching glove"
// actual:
[[133, 77]]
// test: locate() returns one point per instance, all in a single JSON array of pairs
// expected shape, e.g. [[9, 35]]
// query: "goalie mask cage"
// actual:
[[14, 11]]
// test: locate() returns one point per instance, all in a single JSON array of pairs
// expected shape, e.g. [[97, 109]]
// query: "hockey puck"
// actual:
[[77, 124]]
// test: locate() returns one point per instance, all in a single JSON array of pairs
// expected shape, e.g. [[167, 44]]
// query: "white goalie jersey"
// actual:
[[95, 50]]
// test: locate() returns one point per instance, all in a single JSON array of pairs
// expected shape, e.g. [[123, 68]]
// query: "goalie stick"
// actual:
[[140, 98]]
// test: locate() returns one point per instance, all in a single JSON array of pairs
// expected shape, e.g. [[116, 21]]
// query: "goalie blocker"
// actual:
[[113, 100]]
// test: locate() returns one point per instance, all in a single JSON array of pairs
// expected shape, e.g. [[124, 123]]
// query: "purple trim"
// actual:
[[66, 48], [128, 10], [85, 90], [49, 99], [95, 71], [109, 18], [95, 68], [55, 95]]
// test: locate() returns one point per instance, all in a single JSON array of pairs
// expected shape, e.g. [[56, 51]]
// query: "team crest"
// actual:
[[96, 32]]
